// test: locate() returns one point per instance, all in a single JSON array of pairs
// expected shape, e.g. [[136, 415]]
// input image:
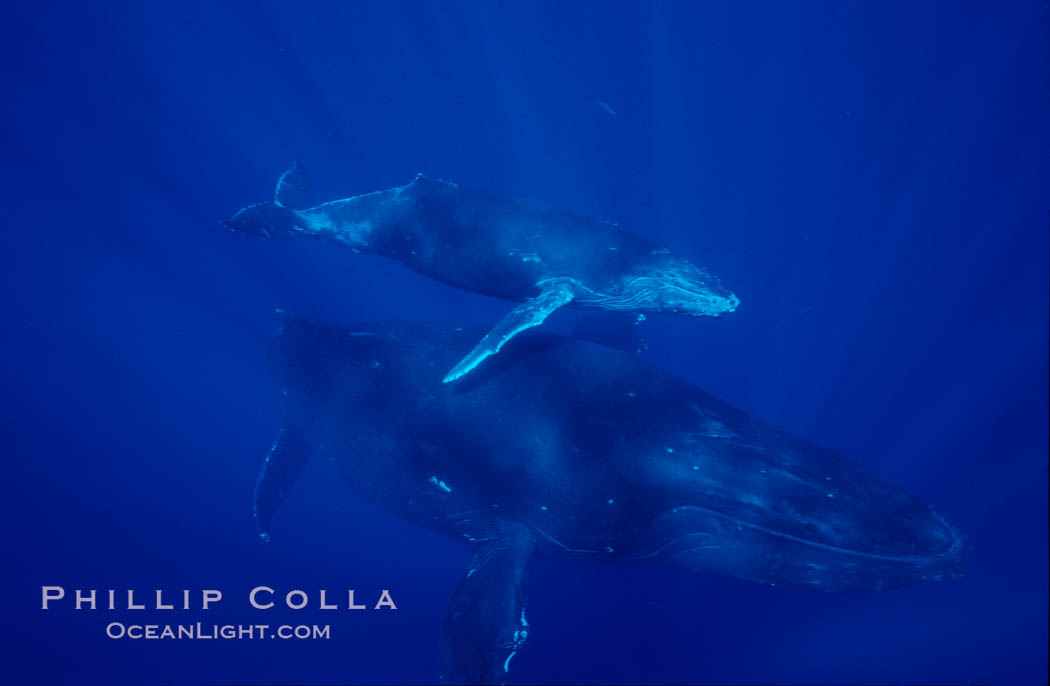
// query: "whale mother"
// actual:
[[543, 257], [563, 447]]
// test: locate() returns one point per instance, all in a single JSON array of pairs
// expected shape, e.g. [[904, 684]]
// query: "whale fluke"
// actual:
[[268, 220], [294, 189]]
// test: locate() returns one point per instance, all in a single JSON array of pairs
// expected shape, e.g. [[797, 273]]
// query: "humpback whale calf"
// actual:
[[564, 447], [543, 257]]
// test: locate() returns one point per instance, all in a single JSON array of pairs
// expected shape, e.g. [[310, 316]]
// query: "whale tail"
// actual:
[[267, 220], [278, 219]]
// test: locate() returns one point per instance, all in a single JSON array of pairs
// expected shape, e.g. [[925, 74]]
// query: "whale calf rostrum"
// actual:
[[542, 257]]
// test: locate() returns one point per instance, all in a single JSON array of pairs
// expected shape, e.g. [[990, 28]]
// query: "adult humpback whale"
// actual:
[[565, 447], [545, 257]]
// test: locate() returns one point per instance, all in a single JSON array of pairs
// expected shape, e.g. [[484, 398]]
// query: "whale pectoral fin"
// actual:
[[294, 189], [485, 621], [525, 316], [281, 469]]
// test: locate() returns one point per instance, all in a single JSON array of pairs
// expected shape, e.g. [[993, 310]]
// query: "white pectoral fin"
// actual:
[[525, 316]]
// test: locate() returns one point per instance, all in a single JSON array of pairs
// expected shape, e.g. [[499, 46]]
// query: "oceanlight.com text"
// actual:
[[200, 631]]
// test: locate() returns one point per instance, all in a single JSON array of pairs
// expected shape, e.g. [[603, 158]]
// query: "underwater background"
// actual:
[[871, 179]]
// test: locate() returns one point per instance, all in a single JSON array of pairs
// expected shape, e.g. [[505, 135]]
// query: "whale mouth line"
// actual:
[[957, 543]]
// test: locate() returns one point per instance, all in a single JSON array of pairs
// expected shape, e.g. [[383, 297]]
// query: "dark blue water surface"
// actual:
[[872, 180]]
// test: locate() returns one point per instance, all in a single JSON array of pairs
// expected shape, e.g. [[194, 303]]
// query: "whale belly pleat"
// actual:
[[705, 539]]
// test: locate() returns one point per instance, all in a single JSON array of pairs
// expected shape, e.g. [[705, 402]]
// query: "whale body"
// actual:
[[543, 257], [563, 447]]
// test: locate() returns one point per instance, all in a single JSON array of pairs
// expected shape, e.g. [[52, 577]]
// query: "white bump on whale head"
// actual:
[[664, 282]]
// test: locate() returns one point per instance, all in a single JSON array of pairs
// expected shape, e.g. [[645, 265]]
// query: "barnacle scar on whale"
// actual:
[[542, 257]]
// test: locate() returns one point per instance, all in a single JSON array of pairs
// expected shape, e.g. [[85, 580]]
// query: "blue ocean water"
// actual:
[[870, 179]]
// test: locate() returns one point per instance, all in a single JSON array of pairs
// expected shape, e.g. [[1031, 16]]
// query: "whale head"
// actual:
[[664, 282]]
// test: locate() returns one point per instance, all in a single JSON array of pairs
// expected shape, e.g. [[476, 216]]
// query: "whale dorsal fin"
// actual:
[[525, 316], [281, 469], [294, 189], [485, 621]]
